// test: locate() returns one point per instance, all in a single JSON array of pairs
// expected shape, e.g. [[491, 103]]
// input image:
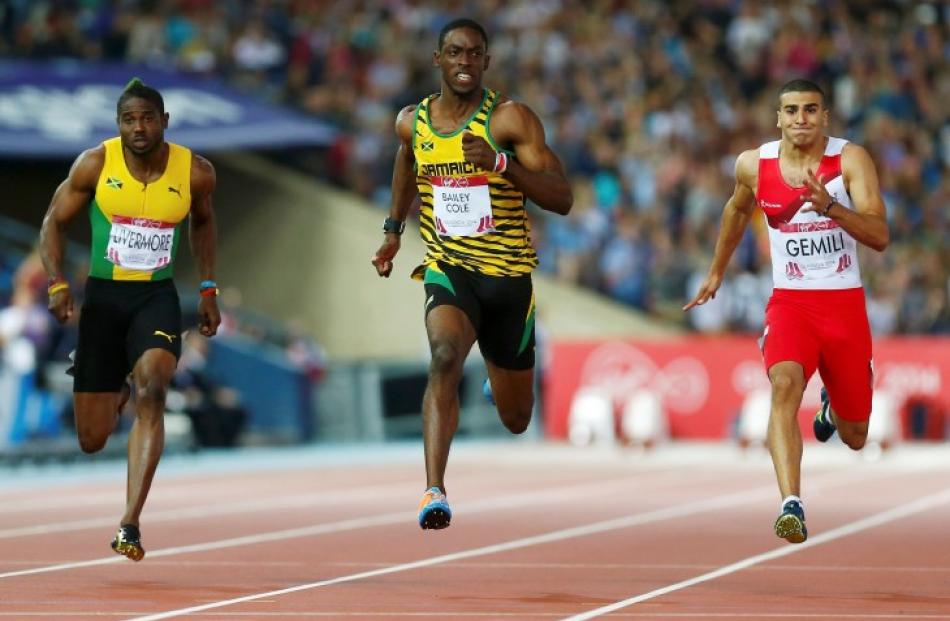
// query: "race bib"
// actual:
[[140, 243], [462, 206]]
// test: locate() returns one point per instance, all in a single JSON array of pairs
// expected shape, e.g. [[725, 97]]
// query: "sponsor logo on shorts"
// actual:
[[170, 337]]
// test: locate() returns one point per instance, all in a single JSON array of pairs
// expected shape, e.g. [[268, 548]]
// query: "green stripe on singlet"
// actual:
[[99, 265]]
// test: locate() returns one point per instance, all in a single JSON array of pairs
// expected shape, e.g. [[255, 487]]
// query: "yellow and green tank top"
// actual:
[[136, 226], [469, 217]]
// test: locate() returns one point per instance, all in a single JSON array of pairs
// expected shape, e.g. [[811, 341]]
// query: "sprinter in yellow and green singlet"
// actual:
[[138, 191], [472, 156]]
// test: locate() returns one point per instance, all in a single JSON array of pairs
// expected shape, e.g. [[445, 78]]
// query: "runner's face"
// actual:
[[463, 59], [141, 126], [802, 117]]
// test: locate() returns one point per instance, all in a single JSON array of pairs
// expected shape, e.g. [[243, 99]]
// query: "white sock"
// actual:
[[792, 497]]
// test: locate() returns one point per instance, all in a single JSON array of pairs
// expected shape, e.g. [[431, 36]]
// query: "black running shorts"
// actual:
[[118, 322], [501, 309]]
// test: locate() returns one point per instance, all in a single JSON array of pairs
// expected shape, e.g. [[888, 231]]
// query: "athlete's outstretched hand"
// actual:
[[707, 291], [383, 259], [816, 194], [209, 317], [477, 151], [61, 305]]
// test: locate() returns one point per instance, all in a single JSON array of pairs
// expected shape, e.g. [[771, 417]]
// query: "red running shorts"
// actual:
[[827, 330]]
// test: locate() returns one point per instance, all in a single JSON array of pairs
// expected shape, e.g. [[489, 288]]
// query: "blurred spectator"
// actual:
[[216, 414], [26, 410]]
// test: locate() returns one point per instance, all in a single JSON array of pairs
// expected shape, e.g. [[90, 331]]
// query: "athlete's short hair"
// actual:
[[138, 89], [802, 86], [462, 22]]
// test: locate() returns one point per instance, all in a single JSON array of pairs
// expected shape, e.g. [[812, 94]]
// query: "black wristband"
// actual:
[[828, 208], [394, 226]]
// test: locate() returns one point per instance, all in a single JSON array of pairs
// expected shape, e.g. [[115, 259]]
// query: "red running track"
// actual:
[[540, 532]]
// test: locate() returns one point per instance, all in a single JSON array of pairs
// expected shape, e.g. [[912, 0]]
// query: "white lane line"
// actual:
[[667, 513], [92, 499], [622, 566], [180, 481], [247, 506], [583, 490], [546, 566], [55, 499], [521, 499], [62, 498], [906, 510], [317, 498], [496, 614]]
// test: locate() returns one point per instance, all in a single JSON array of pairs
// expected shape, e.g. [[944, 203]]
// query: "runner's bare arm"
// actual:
[[403, 189], [202, 236], [202, 231], [535, 170], [404, 178], [735, 219], [71, 197], [867, 223]]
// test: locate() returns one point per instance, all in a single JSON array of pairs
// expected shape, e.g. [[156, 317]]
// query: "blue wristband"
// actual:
[[208, 284]]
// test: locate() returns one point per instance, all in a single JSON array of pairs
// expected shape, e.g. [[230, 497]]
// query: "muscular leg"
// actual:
[[451, 336], [151, 377], [852, 433], [784, 436], [513, 392], [96, 415]]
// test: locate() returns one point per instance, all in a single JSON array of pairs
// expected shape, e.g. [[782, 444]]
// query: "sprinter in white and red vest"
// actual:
[[820, 197]]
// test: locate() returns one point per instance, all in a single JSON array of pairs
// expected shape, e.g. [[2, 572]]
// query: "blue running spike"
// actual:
[[790, 525], [434, 511], [486, 390]]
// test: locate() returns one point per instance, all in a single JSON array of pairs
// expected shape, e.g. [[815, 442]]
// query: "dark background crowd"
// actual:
[[647, 103]]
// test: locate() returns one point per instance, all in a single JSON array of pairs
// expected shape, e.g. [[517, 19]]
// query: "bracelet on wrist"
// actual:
[[824, 213], [56, 286], [208, 288], [501, 162], [396, 227]]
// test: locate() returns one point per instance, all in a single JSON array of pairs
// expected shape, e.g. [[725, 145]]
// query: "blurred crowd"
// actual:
[[34, 349], [647, 102]]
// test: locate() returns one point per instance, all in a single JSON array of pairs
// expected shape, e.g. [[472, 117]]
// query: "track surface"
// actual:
[[539, 532]]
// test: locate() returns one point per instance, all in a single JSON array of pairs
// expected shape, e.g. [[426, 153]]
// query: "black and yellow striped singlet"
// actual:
[[469, 217]]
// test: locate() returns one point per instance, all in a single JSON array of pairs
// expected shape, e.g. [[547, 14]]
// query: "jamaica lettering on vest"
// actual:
[[448, 169]]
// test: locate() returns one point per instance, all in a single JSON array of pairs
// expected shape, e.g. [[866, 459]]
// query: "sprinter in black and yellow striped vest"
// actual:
[[472, 156], [138, 190]]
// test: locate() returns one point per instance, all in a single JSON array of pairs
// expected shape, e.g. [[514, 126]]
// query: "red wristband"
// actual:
[[501, 162]]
